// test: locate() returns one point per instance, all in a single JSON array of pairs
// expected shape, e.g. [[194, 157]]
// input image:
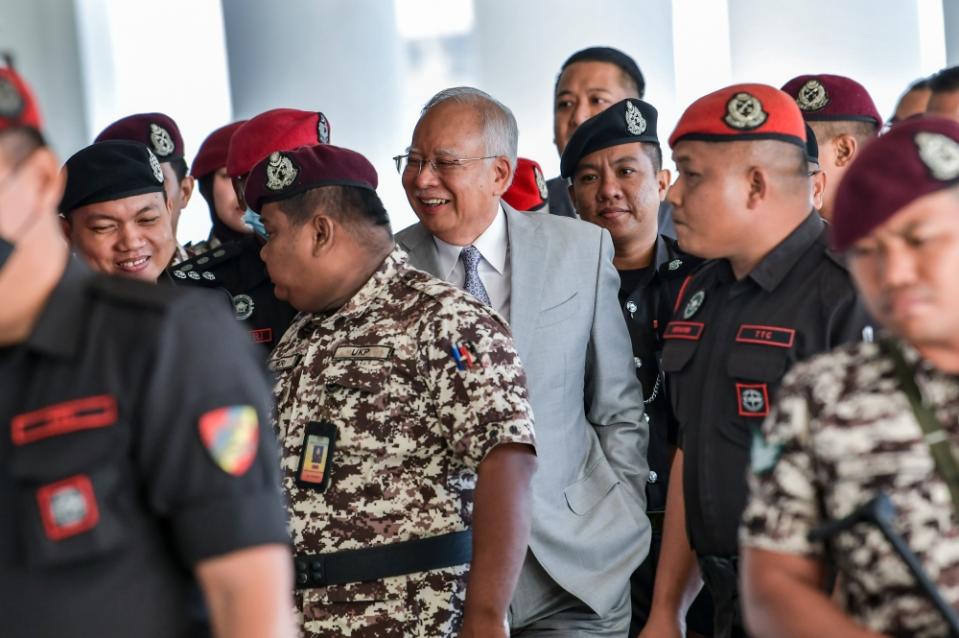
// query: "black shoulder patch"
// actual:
[[198, 270]]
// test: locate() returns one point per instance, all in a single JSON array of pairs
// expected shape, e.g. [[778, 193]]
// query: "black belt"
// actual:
[[383, 561]]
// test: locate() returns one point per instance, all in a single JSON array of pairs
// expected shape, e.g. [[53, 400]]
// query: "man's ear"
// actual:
[[846, 148], [323, 230], [51, 179], [757, 186], [66, 227], [663, 179], [503, 174], [187, 185]]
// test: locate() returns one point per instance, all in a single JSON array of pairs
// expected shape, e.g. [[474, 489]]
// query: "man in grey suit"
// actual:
[[554, 280]]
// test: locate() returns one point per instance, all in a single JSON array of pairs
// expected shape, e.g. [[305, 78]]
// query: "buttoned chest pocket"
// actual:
[[360, 401], [755, 373], [285, 373], [67, 464]]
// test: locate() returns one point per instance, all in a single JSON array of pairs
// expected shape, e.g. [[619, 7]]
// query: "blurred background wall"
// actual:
[[370, 65]]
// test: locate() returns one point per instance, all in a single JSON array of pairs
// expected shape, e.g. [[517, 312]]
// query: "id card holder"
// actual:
[[316, 456]]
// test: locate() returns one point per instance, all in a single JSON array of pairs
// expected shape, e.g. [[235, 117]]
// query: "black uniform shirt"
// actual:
[[727, 348], [130, 417], [237, 268], [647, 297]]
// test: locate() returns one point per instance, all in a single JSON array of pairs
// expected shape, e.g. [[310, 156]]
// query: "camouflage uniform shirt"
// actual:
[[843, 430], [413, 425]]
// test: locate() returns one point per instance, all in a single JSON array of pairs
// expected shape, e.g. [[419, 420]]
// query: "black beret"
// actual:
[[625, 122], [812, 146], [111, 170], [612, 56]]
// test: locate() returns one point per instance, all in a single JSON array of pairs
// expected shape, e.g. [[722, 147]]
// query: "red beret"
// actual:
[[528, 190], [827, 97], [212, 154], [158, 131], [284, 174], [18, 107], [742, 112], [915, 158], [276, 130]]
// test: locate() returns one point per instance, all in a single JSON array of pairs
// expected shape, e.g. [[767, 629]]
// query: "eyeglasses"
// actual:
[[412, 165]]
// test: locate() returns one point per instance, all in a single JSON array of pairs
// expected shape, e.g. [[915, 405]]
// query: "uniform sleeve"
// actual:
[[480, 395], [783, 504], [207, 453]]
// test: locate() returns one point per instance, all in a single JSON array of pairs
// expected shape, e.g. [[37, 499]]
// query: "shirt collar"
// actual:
[[493, 245], [58, 329], [774, 267], [394, 264]]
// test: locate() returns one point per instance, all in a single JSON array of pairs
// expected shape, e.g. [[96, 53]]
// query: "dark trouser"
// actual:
[[699, 618], [720, 573]]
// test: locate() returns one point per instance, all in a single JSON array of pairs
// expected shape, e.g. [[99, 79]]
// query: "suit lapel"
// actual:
[[529, 252], [418, 242]]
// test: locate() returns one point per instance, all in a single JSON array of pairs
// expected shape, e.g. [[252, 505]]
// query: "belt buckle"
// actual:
[[310, 572]]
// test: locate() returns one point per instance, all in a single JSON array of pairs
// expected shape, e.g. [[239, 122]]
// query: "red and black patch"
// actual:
[[68, 507], [263, 335], [689, 330], [753, 399], [775, 336], [62, 418]]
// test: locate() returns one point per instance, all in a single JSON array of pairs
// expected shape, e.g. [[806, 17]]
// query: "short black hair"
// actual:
[[655, 155], [918, 85], [19, 142], [631, 75], [353, 206], [179, 168], [945, 81]]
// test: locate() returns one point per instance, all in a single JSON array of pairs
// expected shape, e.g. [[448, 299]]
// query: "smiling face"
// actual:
[[905, 270], [619, 189], [131, 237], [585, 89], [459, 201]]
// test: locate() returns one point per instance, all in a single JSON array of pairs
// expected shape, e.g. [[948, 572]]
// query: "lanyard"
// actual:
[[936, 438]]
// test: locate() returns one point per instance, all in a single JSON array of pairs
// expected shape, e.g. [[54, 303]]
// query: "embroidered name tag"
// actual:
[[363, 352], [691, 330], [62, 418], [766, 335]]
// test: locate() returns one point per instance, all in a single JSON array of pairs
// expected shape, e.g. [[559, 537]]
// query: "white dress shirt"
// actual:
[[493, 268]]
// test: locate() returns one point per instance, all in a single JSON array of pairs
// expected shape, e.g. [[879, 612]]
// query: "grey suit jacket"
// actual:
[[590, 530]]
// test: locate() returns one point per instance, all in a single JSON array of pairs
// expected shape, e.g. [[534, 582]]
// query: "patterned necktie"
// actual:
[[474, 285]]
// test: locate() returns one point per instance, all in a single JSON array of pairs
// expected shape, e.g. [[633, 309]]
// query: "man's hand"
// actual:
[[663, 627], [475, 627]]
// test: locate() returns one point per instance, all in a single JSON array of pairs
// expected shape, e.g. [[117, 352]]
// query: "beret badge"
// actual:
[[540, 182], [322, 129], [635, 122], [280, 172], [744, 112], [161, 140], [155, 165], [939, 153], [812, 96]]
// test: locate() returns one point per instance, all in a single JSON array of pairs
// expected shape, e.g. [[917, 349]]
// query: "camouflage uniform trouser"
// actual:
[[423, 605]]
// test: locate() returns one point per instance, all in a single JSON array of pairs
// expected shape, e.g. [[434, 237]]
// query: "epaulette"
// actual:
[[199, 269], [837, 258], [132, 291]]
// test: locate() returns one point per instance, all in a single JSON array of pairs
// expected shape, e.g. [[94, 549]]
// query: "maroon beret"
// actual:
[[284, 174], [528, 190], [158, 131], [742, 112], [827, 97], [915, 158], [18, 107], [276, 130], [212, 154]]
